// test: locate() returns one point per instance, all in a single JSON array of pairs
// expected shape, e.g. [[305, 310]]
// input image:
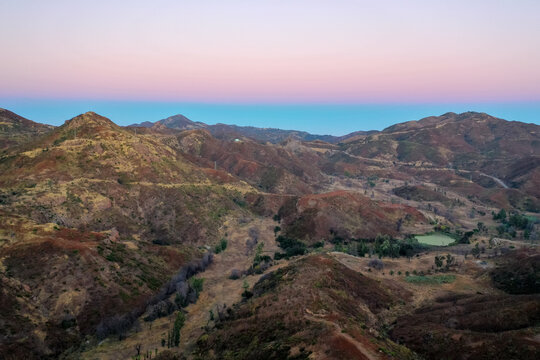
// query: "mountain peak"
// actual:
[[88, 124], [90, 119], [180, 122]]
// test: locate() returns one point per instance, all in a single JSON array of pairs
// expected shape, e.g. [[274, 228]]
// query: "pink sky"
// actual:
[[272, 51]]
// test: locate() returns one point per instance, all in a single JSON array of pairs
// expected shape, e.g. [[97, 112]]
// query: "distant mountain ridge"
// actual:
[[224, 131]]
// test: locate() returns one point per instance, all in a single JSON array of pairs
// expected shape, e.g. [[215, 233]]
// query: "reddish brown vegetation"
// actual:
[[303, 306], [347, 214], [477, 327]]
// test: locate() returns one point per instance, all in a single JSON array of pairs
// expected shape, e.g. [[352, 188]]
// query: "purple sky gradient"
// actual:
[[273, 51]]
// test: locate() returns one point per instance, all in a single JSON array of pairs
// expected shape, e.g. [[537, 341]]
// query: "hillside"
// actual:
[[330, 313], [299, 247], [479, 151], [337, 307], [106, 216], [16, 130]]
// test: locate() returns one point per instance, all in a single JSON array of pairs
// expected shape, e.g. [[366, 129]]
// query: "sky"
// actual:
[[329, 65]]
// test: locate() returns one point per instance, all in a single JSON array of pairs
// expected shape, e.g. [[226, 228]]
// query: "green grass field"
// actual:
[[436, 279], [436, 239]]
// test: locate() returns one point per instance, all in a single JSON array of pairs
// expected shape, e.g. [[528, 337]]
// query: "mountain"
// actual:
[[291, 248], [223, 131], [461, 140], [15, 129], [179, 122], [107, 216], [489, 152]]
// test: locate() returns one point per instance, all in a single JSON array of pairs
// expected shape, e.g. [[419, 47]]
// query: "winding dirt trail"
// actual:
[[433, 167], [368, 355]]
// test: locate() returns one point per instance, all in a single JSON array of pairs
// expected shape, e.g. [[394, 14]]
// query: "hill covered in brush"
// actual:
[[100, 226]]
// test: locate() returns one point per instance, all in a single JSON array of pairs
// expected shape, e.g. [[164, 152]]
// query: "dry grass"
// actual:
[[218, 289]]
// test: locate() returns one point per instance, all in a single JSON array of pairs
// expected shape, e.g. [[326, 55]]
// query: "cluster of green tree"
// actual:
[[291, 246], [501, 215], [260, 262], [173, 336], [511, 223], [382, 246], [353, 247], [221, 246], [386, 245], [481, 228], [440, 262], [463, 237]]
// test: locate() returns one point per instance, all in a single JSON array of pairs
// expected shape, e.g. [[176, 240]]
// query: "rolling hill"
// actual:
[[100, 225]]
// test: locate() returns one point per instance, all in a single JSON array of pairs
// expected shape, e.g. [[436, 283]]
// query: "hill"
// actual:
[[102, 227], [16, 130], [479, 151], [95, 219]]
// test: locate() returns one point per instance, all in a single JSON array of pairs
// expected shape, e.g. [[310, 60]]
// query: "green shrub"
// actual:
[[196, 284], [221, 246], [292, 247]]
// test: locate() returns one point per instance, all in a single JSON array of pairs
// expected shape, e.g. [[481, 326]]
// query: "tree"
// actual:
[[450, 260], [178, 324], [501, 215], [439, 261], [465, 239], [247, 294], [258, 252], [196, 284], [223, 242]]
